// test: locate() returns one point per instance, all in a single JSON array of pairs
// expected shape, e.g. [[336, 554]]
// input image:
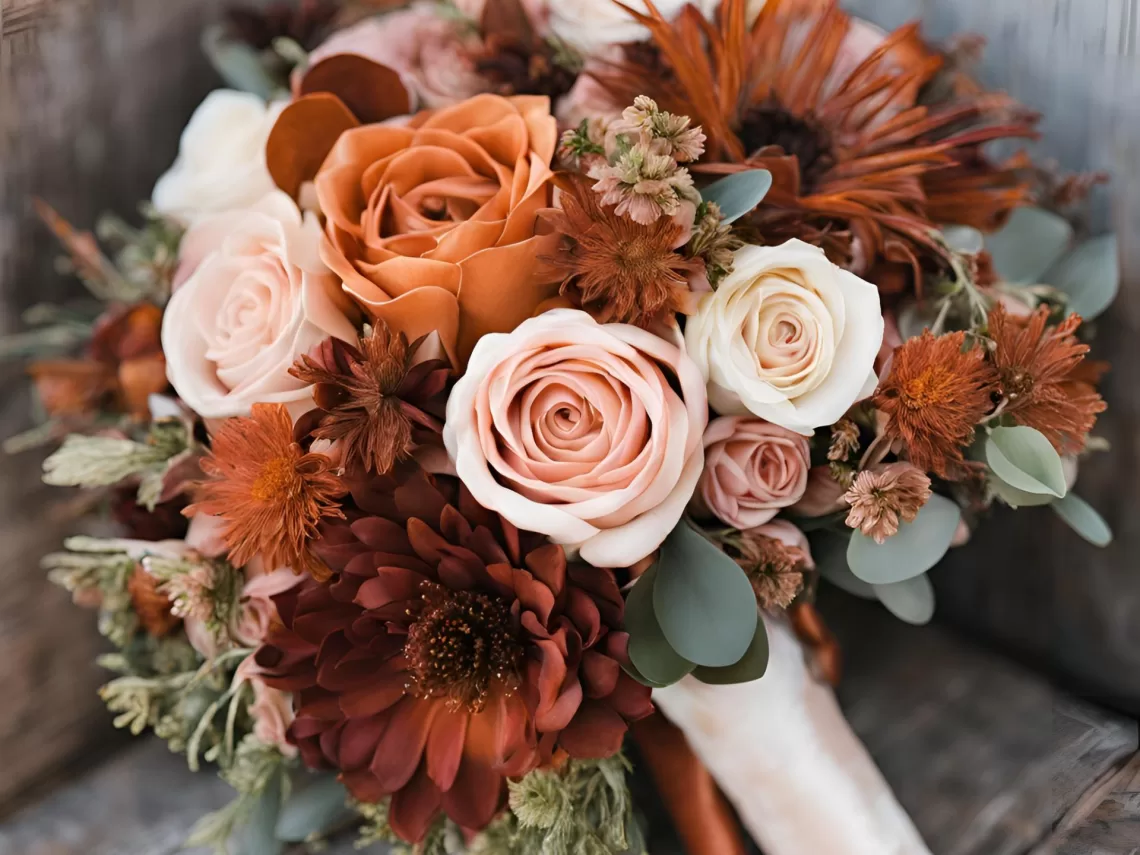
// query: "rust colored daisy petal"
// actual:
[[1043, 379], [371, 91], [302, 137], [449, 652], [151, 605], [271, 494], [934, 397]]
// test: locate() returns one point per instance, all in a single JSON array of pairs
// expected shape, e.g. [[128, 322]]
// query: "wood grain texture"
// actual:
[[1025, 580], [93, 95], [1112, 825]]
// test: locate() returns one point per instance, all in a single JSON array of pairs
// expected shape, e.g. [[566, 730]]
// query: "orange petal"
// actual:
[[303, 136], [419, 312], [373, 92]]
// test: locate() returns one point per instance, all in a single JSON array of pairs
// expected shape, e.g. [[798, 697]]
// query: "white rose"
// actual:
[[259, 298], [221, 159], [591, 25], [787, 336]]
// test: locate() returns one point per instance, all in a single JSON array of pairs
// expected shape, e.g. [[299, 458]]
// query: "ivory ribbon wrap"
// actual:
[[784, 755]]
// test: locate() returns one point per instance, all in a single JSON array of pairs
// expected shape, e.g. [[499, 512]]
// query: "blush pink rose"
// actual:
[[572, 428], [753, 469], [823, 496]]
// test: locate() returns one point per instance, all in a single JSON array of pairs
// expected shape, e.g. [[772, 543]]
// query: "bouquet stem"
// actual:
[[786, 758]]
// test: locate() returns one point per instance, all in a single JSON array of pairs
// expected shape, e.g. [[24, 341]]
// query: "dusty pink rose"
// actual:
[[432, 53], [571, 428], [753, 469], [271, 710], [259, 298], [823, 496]]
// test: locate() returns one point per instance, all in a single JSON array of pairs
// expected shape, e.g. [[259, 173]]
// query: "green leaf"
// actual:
[[257, 836], [1019, 498], [964, 239], [1089, 275], [751, 666], [738, 193], [1083, 519], [238, 64], [650, 654], [316, 809], [917, 546], [703, 600], [829, 552], [1024, 459], [1028, 245], [911, 600]]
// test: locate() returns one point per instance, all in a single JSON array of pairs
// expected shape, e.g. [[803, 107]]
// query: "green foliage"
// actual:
[[1083, 519], [738, 193], [917, 546], [1089, 276], [911, 600], [1024, 459]]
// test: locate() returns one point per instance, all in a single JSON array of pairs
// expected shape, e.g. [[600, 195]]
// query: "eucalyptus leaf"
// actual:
[[829, 552], [238, 64], [1024, 459], [257, 836], [911, 600], [318, 808], [964, 239], [914, 549], [913, 319], [1028, 245], [1089, 276], [1083, 519], [738, 193], [750, 667], [1019, 498], [649, 652], [703, 600]]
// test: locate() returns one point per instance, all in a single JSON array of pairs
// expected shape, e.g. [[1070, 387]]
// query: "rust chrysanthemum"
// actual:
[[618, 270], [377, 401], [150, 604], [935, 395], [1039, 367], [270, 493], [882, 497], [450, 652], [775, 569], [807, 93]]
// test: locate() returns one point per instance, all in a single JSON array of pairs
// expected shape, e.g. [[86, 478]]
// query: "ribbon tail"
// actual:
[[700, 812]]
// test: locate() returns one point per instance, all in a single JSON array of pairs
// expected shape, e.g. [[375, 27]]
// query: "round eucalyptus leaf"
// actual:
[[1083, 519], [738, 193], [917, 546], [911, 600], [703, 600], [829, 552], [258, 835], [1016, 498], [1028, 245], [964, 239], [318, 807], [751, 666], [238, 64], [652, 657], [1024, 459], [1089, 275], [913, 319]]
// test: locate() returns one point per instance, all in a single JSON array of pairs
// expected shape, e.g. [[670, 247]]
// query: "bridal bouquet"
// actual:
[[491, 382]]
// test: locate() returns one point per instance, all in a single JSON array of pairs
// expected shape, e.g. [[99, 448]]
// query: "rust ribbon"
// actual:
[[702, 815]]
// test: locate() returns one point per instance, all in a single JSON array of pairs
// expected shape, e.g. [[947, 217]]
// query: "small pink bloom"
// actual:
[[271, 710], [753, 469], [823, 496]]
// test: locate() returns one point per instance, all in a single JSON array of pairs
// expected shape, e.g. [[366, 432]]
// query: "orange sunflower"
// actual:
[[835, 113]]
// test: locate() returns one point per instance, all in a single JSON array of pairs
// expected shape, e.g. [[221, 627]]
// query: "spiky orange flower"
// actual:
[[934, 397], [269, 492], [1041, 376], [839, 125], [618, 270]]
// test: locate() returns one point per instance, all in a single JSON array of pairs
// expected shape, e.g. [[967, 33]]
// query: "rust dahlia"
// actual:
[[449, 652]]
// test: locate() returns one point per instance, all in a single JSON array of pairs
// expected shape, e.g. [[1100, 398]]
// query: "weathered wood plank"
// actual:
[[93, 95], [1113, 825]]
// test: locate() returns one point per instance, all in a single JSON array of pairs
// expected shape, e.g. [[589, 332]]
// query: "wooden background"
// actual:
[[92, 96]]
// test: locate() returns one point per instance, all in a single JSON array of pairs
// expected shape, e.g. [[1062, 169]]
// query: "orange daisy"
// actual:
[[1043, 376], [269, 492], [934, 397]]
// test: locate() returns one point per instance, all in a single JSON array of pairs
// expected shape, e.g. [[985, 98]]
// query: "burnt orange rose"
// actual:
[[431, 225]]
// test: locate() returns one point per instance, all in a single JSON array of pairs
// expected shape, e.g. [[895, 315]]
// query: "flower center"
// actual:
[[803, 137], [462, 645], [932, 386], [277, 480], [1016, 384]]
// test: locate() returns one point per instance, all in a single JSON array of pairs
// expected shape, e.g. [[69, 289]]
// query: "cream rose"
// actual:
[[787, 336], [591, 25], [572, 428], [259, 298], [221, 162], [753, 469]]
